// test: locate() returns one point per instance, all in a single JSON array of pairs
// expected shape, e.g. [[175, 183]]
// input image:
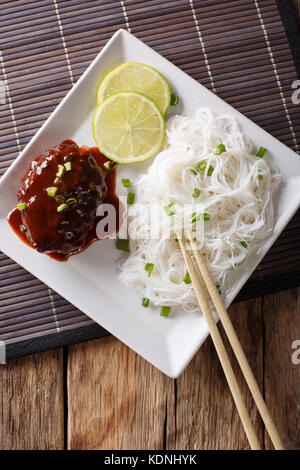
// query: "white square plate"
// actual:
[[90, 280]]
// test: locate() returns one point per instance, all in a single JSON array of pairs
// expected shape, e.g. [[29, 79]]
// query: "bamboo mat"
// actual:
[[238, 49]]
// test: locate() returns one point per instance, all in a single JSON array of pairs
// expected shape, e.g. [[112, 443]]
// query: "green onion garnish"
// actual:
[[175, 237], [68, 166], [93, 186], [52, 191], [130, 198], [260, 177], [196, 192], [149, 268], [71, 200], [126, 182], [60, 198], [201, 166], [244, 244], [57, 181], [61, 171], [261, 152], [196, 217], [123, 244], [110, 165], [170, 209], [145, 302], [219, 288], [62, 207], [220, 149], [174, 99], [21, 206], [165, 311], [187, 278], [210, 170]]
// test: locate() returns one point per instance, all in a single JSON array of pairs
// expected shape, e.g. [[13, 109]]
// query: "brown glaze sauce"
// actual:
[[88, 184]]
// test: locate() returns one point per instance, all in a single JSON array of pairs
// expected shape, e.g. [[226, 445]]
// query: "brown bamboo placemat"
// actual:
[[238, 49]]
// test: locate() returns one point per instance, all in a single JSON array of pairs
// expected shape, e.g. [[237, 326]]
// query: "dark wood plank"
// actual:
[[281, 376], [116, 400], [206, 417], [31, 406]]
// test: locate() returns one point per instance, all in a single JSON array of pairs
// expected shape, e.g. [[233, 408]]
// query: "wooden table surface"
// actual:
[[101, 395]]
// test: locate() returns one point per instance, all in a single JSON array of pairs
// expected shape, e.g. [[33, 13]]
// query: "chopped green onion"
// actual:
[[60, 198], [68, 158], [219, 288], [196, 192], [201, 166], [62, 207], [244, 244], [71, 200], [123, 244], [93, 186], [196, 217], [165, 311], [57, 181], [68, 166], [145, 302], [261, 152], [210, 170], [130, 198], [110, 165], [175, 237], [22, 228], [126, 182], [220, 149], [174, 99], [260, 177], [52, 191], [61, 171], [149, 268], [187, 278], [21, 206], [170, 209]]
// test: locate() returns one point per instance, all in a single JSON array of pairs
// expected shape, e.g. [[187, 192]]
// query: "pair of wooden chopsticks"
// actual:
[[204, 287]]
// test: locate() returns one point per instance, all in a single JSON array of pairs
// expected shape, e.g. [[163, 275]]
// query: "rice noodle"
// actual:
[[238, 200]]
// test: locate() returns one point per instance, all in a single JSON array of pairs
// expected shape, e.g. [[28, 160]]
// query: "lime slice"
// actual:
[[141, 78], [128, 127]]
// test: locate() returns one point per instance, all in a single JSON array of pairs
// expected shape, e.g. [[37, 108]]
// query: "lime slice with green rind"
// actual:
[[128, 127], [141, 78]]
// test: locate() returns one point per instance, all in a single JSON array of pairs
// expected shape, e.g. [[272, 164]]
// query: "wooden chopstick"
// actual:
[[202, 298], [236, 345]]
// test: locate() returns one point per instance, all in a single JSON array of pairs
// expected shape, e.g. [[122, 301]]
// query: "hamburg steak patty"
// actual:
[[59, 196]]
